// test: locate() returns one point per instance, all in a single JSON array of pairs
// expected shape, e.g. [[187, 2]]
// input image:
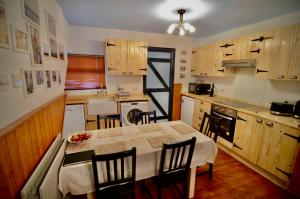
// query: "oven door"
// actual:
[[227, 125]]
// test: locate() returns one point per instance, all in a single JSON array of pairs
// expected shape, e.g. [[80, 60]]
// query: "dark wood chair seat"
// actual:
[[118, 185]]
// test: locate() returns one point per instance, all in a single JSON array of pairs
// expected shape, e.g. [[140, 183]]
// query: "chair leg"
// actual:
[[158, 191], [210, 170]]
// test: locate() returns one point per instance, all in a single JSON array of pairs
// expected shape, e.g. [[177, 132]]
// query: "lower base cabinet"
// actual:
[[200, 107]]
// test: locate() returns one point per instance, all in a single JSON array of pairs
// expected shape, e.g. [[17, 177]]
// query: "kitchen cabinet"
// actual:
[[231, 49], [247, 137], [200, 107], [294, 65], [124, 57], [195, 62], [278, 149]]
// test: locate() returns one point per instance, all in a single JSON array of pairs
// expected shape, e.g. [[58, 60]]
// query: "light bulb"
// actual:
[[171, 28], [181, 32], [192, 29], [186, 26]]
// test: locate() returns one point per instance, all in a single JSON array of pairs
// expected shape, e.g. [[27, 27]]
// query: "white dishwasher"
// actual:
[[187, 109], [74, 119]]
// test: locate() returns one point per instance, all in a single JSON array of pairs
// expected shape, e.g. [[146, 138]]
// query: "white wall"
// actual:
[[13, 104], [244, 85], [89, 40]]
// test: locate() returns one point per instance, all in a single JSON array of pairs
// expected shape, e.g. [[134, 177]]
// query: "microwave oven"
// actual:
[[199, 89]]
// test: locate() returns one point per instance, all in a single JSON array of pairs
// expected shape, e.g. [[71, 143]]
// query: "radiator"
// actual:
[[49, 187]]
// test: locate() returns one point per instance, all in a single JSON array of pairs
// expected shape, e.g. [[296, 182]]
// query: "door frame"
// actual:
[[166, 88]]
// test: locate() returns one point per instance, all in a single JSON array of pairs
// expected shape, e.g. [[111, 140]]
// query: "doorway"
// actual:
[[159, 81]]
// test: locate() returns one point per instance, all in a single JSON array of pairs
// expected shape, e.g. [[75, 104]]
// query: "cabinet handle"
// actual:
[[255, 51], [130, 73], [234, 145], [221, 70], [143, 69], [280, 76], [289, 175], [201, 102], [110, 44], [294, 137], [109, 68], [201, 110], [200, 118], [193, 52], [293, 77], [228, 54], [226, 45], [87, 121], [192, 70], [239, 118], [261, 71], [258, 120], [262, 38], [143, 46], [269, 123], [124, 73]]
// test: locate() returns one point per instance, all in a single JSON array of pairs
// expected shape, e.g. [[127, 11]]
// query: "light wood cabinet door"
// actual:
[[116, 57], [228, 49], [200, 107], [195, 62], [247, 138], [281, 52], [294, 65], [260, 48], [143, 58]]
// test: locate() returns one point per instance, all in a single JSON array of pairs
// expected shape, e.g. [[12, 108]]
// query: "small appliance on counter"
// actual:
[[199, 88], [282, 108], [296, 113]]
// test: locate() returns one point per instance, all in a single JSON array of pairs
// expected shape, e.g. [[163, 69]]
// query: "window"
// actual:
[[85, 72]]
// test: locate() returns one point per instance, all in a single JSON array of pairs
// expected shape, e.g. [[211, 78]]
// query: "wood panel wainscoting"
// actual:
[[24, 142], [176, 101]]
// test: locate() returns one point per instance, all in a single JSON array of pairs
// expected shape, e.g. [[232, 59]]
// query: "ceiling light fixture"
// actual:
[[182, 26]]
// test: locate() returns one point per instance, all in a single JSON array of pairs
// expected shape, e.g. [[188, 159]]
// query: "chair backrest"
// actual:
[[116, 166], [210, 126], [109, 120], [180, 155], [145, 117]]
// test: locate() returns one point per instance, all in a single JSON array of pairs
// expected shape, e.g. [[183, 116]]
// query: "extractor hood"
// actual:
[[239, 63]]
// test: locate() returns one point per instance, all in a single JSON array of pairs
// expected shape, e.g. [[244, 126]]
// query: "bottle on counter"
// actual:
[[211, 93]]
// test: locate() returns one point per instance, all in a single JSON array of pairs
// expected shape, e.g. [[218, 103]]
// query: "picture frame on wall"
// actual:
[[46, 49], [28, 83], [31, 11], [39, 78], [54, 77], [4, 38], [53, 48], [48, 79], [35, 45], [4, 81], [20, 40], [59, 77], [50, 24], [61, 51]]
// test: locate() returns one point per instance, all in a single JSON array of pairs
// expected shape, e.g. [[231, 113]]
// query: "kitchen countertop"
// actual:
[[251, 109]]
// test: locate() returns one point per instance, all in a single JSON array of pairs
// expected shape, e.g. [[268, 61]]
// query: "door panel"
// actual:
[[158, 83]]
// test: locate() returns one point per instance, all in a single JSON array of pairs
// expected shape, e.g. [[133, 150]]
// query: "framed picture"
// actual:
[[61, 51], [31, 11], [39, 78], [28, 79], [53, 48], [50, 23], [20, 40], [4, 39], [54, 77], [59, 77], [46, 49], [48, 79], [4, 81], [35, 45]]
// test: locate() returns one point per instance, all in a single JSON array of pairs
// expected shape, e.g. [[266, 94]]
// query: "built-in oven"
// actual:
[[227, 118]]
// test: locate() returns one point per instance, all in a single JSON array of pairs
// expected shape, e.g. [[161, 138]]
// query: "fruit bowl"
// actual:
[[78, 137]]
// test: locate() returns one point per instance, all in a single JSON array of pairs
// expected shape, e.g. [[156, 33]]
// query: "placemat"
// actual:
[[158, 141], [147, 128], [183, 129], [110, 148], [111, 133]]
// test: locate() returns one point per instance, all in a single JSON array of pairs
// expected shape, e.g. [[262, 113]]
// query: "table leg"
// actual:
[[91, 195], [192, 182]]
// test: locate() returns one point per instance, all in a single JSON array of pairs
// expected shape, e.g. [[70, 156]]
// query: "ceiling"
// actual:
[[208, 16]]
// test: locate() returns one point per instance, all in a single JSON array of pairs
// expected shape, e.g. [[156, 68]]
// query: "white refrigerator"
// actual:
[[187, 108]]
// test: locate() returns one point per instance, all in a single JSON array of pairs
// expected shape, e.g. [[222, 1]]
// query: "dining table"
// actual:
[[78, 178]]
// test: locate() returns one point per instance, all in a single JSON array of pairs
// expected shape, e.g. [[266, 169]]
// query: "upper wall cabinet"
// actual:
[[124, 57], [276, 53]]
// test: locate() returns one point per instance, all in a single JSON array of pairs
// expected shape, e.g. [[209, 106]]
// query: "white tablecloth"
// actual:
[[78, 179]]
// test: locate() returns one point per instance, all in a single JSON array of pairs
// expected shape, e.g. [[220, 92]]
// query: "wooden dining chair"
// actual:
[[210, 127], [145, 117], [109, 120], [174, 166], [119, 183]]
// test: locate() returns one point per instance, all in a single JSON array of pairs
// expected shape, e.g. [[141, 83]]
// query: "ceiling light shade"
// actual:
[[181, 25]]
